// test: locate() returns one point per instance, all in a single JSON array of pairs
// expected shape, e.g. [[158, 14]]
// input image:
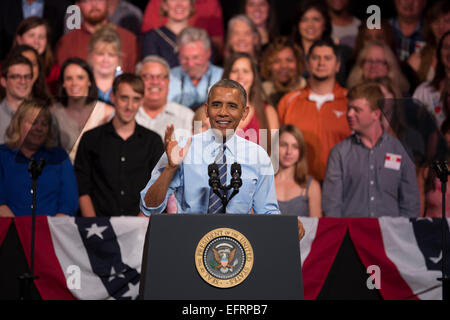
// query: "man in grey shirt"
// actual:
[[369, 174], [16, 79]]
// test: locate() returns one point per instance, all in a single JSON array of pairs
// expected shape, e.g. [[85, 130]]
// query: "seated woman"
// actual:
[[429, 183], [104, 57], [78, 109], [297, 193], [29, 136], [241, 67], [312, 23], [35, 32], [429, 92], [242, 36], [282, 68], [162, 41], [376, 60], [263, 15]]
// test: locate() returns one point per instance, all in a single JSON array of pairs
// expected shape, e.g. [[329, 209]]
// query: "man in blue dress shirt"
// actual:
[[190, 82], [183, 169]]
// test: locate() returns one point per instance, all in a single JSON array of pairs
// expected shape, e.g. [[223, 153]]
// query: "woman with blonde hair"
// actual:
[[105, 51], [29, 136], [297, 193], [376, 60]]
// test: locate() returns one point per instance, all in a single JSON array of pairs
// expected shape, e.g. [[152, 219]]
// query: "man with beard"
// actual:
[[319, 109], [76, 42]]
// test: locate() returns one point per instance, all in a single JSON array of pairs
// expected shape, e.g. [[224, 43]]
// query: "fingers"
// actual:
[[168, 134]]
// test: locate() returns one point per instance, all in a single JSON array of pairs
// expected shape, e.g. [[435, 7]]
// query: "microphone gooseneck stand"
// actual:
[[217, 187], [441, 169], [26, 279]]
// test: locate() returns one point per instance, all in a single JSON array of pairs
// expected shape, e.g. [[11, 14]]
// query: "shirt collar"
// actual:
[[357, 139], [110, 129], [217, 143]]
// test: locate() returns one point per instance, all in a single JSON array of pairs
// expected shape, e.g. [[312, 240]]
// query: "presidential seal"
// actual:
[[224, 258]]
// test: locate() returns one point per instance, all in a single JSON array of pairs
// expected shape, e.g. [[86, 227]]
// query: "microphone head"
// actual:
[[213, 169], [236, 167]]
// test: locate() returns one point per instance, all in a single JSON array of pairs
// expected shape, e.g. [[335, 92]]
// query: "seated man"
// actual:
[[369, 174], [114, 160], [190, 82], [156, 111]]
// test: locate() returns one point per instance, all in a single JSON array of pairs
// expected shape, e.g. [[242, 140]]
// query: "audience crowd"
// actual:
[[353, 115]]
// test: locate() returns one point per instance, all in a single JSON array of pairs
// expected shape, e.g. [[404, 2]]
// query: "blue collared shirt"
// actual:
[[184, 92], [56, 186], [34, 9], [190, 181]]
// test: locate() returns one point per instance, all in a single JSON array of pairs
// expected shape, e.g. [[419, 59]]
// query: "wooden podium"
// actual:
[[221, 257]]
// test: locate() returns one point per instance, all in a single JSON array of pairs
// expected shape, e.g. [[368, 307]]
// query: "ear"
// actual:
[[245, 112], [19, 40], [377, 114], [338, 66], [3, 82]]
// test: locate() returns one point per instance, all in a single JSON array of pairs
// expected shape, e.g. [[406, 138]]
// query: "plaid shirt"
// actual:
[[407, 45]]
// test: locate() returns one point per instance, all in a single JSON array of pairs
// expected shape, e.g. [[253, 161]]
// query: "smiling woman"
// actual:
[[29, 135], [78, 109]]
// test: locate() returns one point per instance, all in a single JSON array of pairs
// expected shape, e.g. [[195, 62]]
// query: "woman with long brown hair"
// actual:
[[297, 193]]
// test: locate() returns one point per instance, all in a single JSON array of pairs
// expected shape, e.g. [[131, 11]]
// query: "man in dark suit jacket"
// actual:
[[11, 14]]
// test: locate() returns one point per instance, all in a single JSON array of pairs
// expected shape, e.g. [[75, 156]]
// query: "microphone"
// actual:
[[236, 181], [213, 173]]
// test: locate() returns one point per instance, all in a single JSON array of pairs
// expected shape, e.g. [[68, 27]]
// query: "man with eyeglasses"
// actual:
[[191, 80], [156, 112], [17, 73]]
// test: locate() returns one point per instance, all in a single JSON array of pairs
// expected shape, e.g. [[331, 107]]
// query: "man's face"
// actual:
[[156, 81], [194, 59], [18, 82], [360, 116], [127, 102], [410, 9], [94, 11], [225, 109], [323, 63]]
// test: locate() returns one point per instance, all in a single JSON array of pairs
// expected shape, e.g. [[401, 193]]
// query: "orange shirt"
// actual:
[[322, 128]]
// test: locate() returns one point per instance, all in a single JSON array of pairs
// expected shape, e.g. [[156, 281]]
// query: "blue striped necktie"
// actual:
[[215, 203]]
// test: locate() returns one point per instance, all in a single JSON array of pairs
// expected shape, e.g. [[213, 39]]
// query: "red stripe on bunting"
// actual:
[[326, 244], [368, 241], [4, 227], [51, 283]]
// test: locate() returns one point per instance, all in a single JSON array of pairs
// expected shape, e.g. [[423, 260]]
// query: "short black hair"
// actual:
[[326, 42], [230, 84]]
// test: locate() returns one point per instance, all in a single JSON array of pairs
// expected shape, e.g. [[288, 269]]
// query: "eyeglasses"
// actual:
[[375, 62], [158, 77], [16, 77]]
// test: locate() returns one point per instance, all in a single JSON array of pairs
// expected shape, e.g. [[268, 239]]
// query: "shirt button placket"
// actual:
[[372, 183]]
